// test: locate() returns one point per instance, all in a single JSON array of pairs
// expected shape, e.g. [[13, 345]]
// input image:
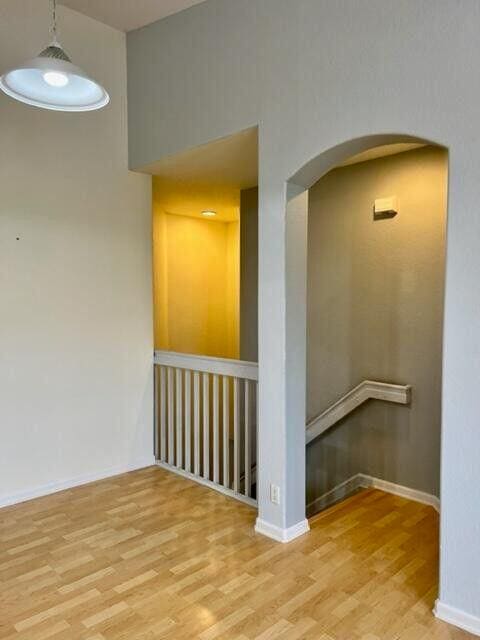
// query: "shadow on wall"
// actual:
[[375, 308]]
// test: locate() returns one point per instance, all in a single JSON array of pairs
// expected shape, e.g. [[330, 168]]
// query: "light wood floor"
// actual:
[[151, 555]]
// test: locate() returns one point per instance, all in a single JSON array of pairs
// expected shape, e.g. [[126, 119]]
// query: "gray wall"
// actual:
[[249, 274], [314, 74], [375, 311]]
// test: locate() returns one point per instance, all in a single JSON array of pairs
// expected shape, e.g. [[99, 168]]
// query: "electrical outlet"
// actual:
[[274, 494]]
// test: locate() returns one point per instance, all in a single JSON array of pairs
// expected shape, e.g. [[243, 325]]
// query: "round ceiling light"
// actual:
[[209, 214], [51, 81]]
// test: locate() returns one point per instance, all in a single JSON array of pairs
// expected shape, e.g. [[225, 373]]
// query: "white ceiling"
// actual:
[[230, 161], [381, 151], [208, 177], [126, 15]]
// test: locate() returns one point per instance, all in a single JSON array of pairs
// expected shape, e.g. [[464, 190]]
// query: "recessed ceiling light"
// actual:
[[209, 214]]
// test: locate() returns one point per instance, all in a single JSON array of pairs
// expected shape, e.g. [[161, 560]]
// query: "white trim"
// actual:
[[70, 483], [340, 492], [206, 364], [279, 534], [457, 617], [208, 483], [400, 490], [366, 390], [362, 480]]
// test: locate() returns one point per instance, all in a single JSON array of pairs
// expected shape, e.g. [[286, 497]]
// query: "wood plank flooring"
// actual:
[[150, 555]]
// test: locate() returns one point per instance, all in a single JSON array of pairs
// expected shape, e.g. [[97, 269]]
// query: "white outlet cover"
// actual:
[[275, 494]]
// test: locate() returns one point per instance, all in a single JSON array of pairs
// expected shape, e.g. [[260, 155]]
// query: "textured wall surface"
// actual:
[[75, 273], [314, 74], [375, 312]]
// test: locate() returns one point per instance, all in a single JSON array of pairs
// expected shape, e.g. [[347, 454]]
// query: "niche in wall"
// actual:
[[197, 262], [196, 269]]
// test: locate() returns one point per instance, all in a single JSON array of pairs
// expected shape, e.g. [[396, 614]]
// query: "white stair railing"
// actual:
[[366, 390], [206, 420]]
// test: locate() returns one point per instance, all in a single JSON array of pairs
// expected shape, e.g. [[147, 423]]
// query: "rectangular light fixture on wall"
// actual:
[[385, 208]]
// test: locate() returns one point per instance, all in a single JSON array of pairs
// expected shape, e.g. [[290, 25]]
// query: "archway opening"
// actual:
[[377, 209]]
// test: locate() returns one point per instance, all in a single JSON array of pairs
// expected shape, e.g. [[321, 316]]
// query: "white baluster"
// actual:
[[255, 433], [171, 410], [226, 431], [236, 437], [188, 425], [163, 414], [216, 456], [156, 411], [206, 427], [179, 416], [248, 463], [196, 422]]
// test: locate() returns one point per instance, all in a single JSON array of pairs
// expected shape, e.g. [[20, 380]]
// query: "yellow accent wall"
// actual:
[[195, 278]]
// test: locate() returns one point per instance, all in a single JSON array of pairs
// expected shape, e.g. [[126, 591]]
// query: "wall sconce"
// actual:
[[385, 208]]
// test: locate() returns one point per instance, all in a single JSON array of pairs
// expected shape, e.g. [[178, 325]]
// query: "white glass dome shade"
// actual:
[[51, 81]]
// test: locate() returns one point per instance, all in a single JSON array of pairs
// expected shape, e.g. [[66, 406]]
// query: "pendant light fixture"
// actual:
[[51, 81]]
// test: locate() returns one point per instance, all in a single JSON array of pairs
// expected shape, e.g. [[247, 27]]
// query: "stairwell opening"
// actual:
[[375, 289], [205, 300], [365, 263]]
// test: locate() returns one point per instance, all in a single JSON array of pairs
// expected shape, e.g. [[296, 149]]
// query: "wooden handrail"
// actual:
[[366, 390], [207, 364]]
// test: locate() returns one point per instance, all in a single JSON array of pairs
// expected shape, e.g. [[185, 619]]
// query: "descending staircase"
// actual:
[[206, 418], [366, 390]]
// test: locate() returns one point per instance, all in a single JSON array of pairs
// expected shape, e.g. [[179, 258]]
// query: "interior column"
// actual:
[[282, 361]]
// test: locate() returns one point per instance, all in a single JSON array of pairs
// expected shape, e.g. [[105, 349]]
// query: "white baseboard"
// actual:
[[457, 617], [400, 490], [69, 483], [340, 492], [279, 534], [361, 480]]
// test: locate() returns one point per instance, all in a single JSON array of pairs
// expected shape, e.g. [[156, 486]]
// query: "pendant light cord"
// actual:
[[53, 28]]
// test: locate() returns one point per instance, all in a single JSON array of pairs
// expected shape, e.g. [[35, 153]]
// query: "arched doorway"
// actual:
[[375, 290], [295, 233]]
